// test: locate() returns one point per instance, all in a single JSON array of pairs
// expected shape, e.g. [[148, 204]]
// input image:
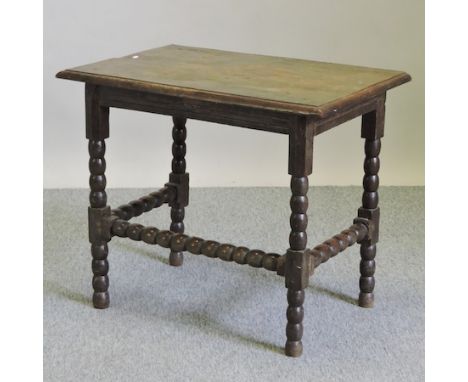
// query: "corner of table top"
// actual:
[[334, 107], [64, 74]]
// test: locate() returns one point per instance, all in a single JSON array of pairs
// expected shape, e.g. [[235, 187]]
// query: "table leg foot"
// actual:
[[176, 259], [294, 328], [101, 300], [100, 267], [367, 269], [366, 300]]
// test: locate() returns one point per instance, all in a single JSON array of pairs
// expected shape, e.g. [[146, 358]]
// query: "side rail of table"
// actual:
[[115, 222]]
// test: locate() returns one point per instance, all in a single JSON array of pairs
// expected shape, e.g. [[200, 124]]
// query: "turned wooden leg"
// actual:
[[98, 200], [372, 131], [97, 129], [180, 178], [297, 265]]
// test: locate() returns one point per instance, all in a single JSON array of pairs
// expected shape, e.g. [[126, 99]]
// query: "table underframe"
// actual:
[[299, 261]]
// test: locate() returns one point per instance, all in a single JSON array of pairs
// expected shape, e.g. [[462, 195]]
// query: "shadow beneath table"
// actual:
[[319, 289], [336, 295], [57, 289], [200, 320], [210, 326], [147, 252]]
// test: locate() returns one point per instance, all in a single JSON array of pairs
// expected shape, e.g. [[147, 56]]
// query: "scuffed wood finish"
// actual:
[[282, 84]]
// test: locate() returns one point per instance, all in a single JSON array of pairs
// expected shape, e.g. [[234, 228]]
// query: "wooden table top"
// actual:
[[283, 84]]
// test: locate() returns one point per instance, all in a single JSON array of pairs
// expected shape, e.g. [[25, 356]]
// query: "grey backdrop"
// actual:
[[380, 33]]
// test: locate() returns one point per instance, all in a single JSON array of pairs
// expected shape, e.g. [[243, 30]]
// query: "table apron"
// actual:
[[235, 115]]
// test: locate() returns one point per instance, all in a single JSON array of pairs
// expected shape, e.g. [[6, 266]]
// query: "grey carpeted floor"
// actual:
[[215, 321]]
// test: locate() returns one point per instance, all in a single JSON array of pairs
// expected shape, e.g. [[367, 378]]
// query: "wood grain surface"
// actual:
[[282, 84]]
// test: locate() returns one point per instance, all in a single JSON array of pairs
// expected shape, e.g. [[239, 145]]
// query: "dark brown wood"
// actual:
[[180, 178], [372, 130], [97, 129], [297, 262], [372, 127], [301, 141], [179, 242], [286, 96], [236, 115], [338, 243], [145, 203], [97, 115]]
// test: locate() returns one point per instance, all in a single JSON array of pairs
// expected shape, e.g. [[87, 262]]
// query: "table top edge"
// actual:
[[319, 111]]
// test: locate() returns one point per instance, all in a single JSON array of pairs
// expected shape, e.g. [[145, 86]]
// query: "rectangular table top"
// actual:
[[283, 84]]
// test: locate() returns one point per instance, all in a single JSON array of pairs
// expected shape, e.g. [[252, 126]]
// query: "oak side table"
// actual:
[[298, 98]]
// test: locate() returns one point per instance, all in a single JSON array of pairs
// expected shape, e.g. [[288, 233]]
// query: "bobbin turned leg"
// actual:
[[180, 179], [372, 131], [297, 266], [97, 129]]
